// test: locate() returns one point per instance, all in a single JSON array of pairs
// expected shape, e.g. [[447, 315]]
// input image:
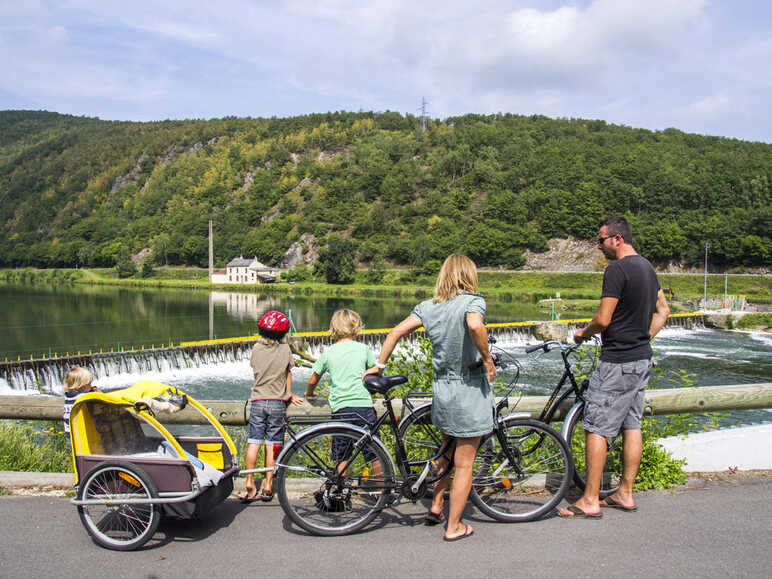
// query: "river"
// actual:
[[59, 319]]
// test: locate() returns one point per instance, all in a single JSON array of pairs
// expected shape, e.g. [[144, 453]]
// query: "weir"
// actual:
[[47, 374]]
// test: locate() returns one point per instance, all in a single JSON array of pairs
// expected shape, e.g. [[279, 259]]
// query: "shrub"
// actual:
[[30, 449]]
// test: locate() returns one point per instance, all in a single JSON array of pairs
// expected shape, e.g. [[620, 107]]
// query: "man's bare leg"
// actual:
[[632, 450], [595, 458]]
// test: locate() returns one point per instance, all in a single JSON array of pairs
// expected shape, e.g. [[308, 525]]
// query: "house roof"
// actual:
[[252, 264], [239, 262]]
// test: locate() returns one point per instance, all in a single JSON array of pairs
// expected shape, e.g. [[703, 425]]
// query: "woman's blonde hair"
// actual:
[[345, 324], [457, 275], [77, 378]]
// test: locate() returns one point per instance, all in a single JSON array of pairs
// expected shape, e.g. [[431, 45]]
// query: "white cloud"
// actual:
[[643, 63], [711, 105]]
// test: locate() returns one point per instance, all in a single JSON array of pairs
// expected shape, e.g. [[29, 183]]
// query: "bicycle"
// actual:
[[522, 470], [572, 430]]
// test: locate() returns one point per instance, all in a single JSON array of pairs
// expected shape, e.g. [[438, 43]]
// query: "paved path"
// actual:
[[719, 528]]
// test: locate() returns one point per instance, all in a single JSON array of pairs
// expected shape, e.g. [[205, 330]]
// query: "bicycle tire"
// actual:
[[531, 488], [611, 477], [312, 494], [121, 527]]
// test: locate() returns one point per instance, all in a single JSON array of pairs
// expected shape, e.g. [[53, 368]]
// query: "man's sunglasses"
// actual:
[[602, 240]]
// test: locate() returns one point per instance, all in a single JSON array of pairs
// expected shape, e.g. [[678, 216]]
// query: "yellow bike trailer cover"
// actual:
[[87, 438]]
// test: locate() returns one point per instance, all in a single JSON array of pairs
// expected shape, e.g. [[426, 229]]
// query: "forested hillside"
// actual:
[[81, 191]]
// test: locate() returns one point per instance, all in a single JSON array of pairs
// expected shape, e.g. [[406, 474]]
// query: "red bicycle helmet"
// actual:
[[274, 321]]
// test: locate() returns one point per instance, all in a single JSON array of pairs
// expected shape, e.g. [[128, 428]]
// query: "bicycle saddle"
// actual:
[[382, 384]]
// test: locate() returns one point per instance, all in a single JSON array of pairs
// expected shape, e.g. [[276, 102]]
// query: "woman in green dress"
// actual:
[[462, 401]]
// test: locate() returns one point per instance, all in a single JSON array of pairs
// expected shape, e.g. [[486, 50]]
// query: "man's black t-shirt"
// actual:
[[633, 281]]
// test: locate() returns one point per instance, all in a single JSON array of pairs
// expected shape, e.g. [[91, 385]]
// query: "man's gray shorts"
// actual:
[[615, 397]]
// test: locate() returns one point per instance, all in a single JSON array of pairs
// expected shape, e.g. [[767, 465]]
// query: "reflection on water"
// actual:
[[58, 319]]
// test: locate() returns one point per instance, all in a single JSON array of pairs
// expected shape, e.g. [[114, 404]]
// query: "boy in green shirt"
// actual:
[[346, 362]]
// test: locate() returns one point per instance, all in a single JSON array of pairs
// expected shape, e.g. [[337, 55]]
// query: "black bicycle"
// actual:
[[333, 478], [571, 429]]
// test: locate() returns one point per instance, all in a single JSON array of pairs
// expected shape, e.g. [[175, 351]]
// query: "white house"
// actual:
[[246, 271]]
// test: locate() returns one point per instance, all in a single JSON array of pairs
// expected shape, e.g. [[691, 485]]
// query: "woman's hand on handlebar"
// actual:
[[490, 368]]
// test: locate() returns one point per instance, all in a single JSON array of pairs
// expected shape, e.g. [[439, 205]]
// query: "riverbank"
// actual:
[[532, 286]]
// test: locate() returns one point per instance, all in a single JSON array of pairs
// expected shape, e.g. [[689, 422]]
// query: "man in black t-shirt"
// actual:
[[632, 310]]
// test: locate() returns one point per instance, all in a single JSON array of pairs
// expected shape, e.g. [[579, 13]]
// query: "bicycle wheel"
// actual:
[[421, 438], [612, 472], [121, 527], [324, 501], [534, 484]]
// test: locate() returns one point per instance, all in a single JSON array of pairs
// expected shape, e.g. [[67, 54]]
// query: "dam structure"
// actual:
[[45, 374]]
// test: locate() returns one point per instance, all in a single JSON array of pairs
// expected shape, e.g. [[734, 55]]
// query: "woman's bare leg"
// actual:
[[466, 450]]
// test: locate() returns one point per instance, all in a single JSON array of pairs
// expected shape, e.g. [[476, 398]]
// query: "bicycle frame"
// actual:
[[368, 434], [554, 402]]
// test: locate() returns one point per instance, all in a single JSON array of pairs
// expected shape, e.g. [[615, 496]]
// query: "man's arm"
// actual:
[[599, 322], [662, 311]]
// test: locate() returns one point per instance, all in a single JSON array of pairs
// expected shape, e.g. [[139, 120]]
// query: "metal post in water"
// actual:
[[705, 283], [211, 316]]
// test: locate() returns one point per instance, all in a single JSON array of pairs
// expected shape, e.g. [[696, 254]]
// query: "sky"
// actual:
[[701, 66]]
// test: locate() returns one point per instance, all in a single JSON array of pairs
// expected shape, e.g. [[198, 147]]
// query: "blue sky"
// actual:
[[700, 66]]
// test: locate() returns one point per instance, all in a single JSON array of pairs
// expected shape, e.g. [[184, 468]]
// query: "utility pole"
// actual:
[[705, 284], [424, 112]]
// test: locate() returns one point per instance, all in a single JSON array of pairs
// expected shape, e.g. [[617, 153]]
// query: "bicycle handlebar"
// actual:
[[550, 344], [478, 364]]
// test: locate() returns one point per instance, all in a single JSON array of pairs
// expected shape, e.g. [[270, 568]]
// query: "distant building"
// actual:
[[246, 271]]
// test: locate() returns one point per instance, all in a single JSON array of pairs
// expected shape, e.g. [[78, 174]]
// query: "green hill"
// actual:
[[82, 191]]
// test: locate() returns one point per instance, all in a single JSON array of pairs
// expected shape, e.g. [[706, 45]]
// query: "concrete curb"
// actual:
[[65, 480]]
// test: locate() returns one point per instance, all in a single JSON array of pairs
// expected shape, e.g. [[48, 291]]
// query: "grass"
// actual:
[[34, 447], [519, 286]]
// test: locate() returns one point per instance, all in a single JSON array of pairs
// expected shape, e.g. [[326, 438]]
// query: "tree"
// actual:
[[124, 266], [338, 260], [146, 270], [377, 270], [161, 244]]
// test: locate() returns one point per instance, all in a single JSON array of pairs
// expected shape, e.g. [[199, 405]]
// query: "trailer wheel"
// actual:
[[121, 526]]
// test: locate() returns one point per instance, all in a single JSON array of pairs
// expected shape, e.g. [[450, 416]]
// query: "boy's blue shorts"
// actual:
[[341, 445], [266, 422]]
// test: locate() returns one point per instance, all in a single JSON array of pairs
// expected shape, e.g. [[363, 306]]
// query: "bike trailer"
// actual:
[[129, 468]]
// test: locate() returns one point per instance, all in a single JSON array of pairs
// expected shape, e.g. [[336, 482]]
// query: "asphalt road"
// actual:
[[709, 529]]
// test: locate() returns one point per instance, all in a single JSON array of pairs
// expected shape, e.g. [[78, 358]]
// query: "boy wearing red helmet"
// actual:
[[271, 363]]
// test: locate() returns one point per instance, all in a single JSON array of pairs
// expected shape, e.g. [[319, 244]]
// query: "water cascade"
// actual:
[[46, 374]]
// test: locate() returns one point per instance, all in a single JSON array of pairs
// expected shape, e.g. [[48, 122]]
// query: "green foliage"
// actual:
[[414, 360], [300, 272], [146, 269], [39, 447], [124, 266], [755, 322], [377, 271], [338, 261], [659, 470], [76, 190]]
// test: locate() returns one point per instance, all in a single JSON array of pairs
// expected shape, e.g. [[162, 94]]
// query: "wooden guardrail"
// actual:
[[236, 413]]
